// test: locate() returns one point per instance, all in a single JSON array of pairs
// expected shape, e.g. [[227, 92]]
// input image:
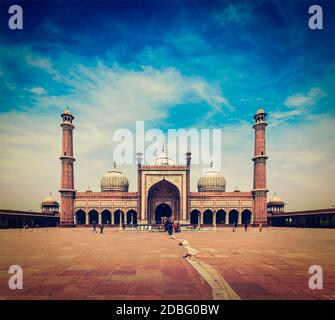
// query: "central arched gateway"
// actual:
[[162, 210], [163, 200]]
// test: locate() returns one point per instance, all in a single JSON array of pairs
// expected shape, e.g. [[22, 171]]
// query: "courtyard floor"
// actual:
[[80, 264]]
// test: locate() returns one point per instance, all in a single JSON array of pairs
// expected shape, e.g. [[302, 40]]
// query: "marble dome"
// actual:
[[212, 181], [114, 180]]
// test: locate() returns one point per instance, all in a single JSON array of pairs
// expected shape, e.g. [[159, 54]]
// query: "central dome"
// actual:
[[212, 181], [163, 160], [114, 180]]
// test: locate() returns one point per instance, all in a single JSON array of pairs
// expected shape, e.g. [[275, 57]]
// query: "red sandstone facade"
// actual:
[[163, 191]]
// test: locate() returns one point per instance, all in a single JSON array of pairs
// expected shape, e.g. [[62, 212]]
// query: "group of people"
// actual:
[[246, 225], [171, 227], [260, 227], [101, 227]]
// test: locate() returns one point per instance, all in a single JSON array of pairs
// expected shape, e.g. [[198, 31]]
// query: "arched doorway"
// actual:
[[233, 216], [246, 217], [106, 217], [118, 214], [163, 192], [132, 217], [93, 216], [81, 217], [220, 217], [162, 210], [195, 215], [208, 217]]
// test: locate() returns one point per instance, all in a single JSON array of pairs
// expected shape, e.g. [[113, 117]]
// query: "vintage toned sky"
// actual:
[[188, 64]]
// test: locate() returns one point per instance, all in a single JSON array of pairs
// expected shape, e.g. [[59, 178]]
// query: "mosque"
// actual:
[[163, 190]]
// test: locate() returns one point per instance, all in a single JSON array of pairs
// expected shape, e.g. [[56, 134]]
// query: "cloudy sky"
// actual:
[[174, 65]]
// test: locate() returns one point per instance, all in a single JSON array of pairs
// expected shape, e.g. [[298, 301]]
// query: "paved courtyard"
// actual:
[[79, 264]]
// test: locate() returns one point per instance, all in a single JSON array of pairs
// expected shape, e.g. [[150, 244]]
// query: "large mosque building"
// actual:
[[163, 190]]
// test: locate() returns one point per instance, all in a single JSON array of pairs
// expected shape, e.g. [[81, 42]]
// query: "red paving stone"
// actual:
[[270, 264], [77, 264]]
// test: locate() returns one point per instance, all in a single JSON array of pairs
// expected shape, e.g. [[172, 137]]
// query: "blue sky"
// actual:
[[175, 65]]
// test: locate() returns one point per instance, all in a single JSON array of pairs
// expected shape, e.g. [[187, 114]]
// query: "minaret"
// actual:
[[139, 158], [67, 179], [188, 183], [259, 159]]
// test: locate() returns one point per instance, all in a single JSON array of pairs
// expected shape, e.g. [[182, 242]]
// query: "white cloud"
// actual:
[[300, 167], [299, 100], [299, 105], [37, 90], [102, 100]]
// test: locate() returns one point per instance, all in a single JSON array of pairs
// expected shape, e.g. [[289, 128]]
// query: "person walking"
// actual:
[[101, 226], [170, 230], [246, 227], [94, 227], [235, 227], [260, 227]]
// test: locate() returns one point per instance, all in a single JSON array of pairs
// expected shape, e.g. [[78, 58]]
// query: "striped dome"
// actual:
[[212, 181], [114, 180]]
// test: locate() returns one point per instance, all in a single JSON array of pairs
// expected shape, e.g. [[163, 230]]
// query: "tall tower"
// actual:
[[67, 179], [259, 190], [188, 183], [139, 158]]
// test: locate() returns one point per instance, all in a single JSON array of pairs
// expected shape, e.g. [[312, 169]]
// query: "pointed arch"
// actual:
[[195, 216], [118, 214], [106, 217], [208, 216], [81, 216], [93, 216], [132, 217], [233, 216], [246, 216], [220, 216]]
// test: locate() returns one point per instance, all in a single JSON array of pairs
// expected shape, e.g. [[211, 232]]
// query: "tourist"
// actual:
[[235, 226], [260, 227], [94, 227], [166, 224], [190, 251], [101, 226], [170, 230], [245, 227]]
